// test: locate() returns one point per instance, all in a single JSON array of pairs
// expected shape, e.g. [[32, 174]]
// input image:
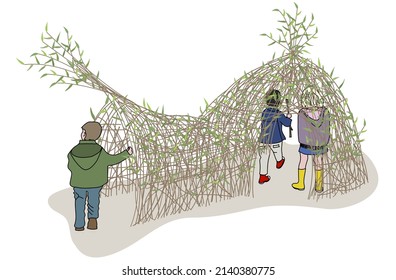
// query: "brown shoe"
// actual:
[[92, 224], [79, 228]]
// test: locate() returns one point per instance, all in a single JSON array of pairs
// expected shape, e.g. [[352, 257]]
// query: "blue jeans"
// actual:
[[80, 197]]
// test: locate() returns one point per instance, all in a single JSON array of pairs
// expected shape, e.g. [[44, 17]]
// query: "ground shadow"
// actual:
[[115, 232]]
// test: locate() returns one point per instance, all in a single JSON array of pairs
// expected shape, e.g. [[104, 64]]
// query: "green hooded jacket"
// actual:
[[89, 162]]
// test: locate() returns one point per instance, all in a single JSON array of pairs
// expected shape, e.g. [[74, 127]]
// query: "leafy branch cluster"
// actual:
[[295, 33], [63, 61]]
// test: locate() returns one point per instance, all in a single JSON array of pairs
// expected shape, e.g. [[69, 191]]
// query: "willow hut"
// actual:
[[181, 162]]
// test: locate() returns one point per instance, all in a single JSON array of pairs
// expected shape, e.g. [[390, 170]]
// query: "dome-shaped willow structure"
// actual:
[[182, 161]]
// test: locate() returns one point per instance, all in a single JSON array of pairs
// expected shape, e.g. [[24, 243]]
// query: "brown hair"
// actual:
[[92, 130]]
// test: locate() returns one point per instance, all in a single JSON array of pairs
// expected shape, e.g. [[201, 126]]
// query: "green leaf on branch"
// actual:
[[206, 103], [60, 80], [68, 87], [331, 73], [92, 113], [20, 61]]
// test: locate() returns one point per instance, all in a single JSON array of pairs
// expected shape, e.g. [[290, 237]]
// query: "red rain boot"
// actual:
[[263, 179], [280, 163]]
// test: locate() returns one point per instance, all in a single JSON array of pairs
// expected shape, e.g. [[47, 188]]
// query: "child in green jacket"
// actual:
[[88, 163]]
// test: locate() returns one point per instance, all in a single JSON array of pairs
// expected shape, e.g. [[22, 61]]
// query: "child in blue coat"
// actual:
[[271, 136]]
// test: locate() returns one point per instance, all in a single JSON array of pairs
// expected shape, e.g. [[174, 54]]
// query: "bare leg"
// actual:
[[303, 161], [318, 162]]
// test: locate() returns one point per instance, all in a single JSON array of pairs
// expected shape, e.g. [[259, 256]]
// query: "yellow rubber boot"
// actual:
[[300, 185], [319, 181]]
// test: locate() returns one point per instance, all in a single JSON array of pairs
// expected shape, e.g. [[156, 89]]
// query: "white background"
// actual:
[[176, 53]]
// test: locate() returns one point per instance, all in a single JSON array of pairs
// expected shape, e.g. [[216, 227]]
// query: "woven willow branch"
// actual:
[[181, 162]]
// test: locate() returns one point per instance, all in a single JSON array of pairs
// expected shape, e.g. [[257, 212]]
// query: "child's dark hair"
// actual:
[[273, 98]]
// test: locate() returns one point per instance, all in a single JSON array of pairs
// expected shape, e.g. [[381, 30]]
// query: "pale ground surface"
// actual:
[[115, 233]]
